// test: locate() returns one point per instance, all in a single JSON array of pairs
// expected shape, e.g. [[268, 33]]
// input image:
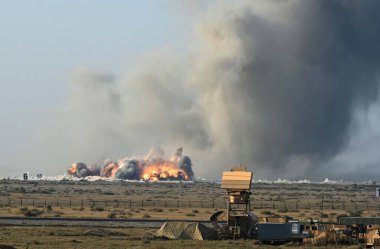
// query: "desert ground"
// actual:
[[74, 237], [144, 200]]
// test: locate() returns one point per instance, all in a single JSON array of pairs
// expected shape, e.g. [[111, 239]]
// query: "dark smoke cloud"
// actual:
[[186, 165], [130, 169], [273, 84], [80, 169], [282, 79]]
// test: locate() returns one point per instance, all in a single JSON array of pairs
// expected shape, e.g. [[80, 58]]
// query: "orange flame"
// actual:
[[109, 170], [73, 169], [163, 170]]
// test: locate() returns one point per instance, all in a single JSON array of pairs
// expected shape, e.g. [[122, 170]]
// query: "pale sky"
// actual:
[[43, 41]]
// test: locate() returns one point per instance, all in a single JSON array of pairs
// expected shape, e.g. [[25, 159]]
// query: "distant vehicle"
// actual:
[[39, 176]]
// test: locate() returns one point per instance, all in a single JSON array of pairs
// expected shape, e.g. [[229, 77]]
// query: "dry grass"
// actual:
[[161, 200], [108, 197], [71, 237]]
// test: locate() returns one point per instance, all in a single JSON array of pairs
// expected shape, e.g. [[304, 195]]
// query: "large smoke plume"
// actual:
[[272, 84]]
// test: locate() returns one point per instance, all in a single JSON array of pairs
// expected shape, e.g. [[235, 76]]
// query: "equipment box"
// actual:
[[267, 232]]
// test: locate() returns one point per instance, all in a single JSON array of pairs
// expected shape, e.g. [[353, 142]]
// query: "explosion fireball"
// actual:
[[151, 168]]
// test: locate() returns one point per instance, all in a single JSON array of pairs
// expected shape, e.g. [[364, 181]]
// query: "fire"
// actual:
[[73, 169], [150, 168], [80, 169], [163, 170], [109, 170]]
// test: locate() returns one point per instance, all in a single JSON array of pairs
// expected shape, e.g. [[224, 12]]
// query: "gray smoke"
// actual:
[[186, 165], [131, 169], [272, 84], [80, 169], [281, 79]]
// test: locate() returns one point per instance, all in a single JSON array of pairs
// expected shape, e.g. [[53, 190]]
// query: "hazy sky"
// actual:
[[44, 42], [41, 42]]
